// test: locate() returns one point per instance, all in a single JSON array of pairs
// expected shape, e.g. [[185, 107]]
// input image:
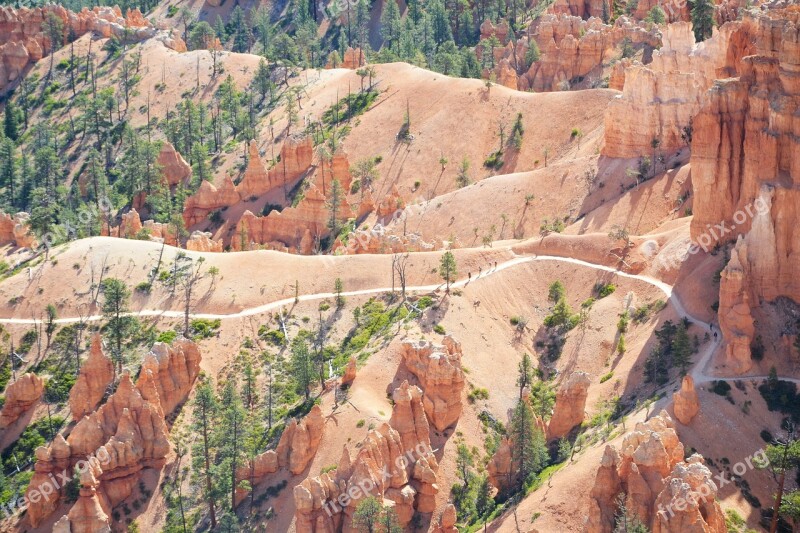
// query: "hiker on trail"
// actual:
[[469, 276], [480, 269], [715, 335]]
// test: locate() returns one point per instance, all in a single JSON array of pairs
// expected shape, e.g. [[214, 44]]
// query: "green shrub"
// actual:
[[204, 328], [438, 328], [606, 377], [605, 289], [272, 336], [720, 387], [144, 287], [167, 337], [478, 394]]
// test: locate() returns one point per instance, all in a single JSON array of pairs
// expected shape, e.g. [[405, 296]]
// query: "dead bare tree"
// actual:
[[399, 265], [188, 279]]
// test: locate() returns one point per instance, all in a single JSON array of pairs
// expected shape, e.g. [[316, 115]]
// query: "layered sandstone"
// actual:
[[24, 41], [394, 464], [571, 50], [745, 164], [20, 395], [438, 370], [125, 435], [659, 100], [95, 376], [650, 473], [88, 515], [685, 401], [354, 58], [349, 374], [569, 409], [295, 160]]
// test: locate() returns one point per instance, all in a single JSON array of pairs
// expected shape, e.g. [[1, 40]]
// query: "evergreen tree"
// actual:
[[205, 418], [302, 367], [529, 451], [231, 429], [11, 120], [8, 169], [335, 205], [368, 515], [524, 374], [448, 269], [241, 30], [391, 25], [116, 296], [703, 19], [681, 349]]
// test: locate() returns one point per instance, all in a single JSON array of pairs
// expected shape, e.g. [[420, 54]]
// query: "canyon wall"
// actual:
[[745, 174], [660, 100]]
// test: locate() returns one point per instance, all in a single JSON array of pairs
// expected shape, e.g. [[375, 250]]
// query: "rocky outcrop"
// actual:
[[95, 376], [685, 401], [123, 436], [295, 451], [745, 164], [202, 241], [354, 58], [174, 167], [569, 409], [349, 374], [295, 160], [438, 370], [571, 51], [659, 100], [173, 369], [20, 395], [395, 465], [447, 522], [17, 231], [130, 225], [209, 198], [299, 441], [651, 474], [88, 514], [24, 42], [294, 229]]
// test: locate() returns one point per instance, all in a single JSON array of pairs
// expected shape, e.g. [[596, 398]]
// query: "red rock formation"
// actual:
[[354, 58], [685, 402], [570, 49], [396, 465], [447, 522], [745, 158], [126, 434], [21, 395], [209, 198], [174, 369], [570, 405], [390, 204], [201, 241], [295, 229], [378, 240], [174, 167], [659, 100], [349, 372], [299, 441], [16, 230], [88, 514], [96, 374], [130, 225], [438, 369], [24, 42], [295, 160], [652, 475]]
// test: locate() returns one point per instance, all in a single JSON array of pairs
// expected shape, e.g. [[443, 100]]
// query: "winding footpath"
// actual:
[[698, 371]]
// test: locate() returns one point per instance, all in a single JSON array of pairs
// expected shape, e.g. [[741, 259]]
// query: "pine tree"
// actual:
[[681, 349], [11, 120], [8, 168], [302, 368], [525, 374], [116, 296], [529, 450], [368, 515], [335, 205], [231, 431], [703, 19], [241, 30], [205, 418], [391, 25], [448, 269]]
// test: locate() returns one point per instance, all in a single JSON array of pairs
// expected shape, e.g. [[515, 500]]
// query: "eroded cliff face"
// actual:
[[662, 490], [95, 376], [23, 41], [119, 439], [745, 171], [660, 100], [295, 160], [21, 395], [16, 230], [570, 49], [394, 462]]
